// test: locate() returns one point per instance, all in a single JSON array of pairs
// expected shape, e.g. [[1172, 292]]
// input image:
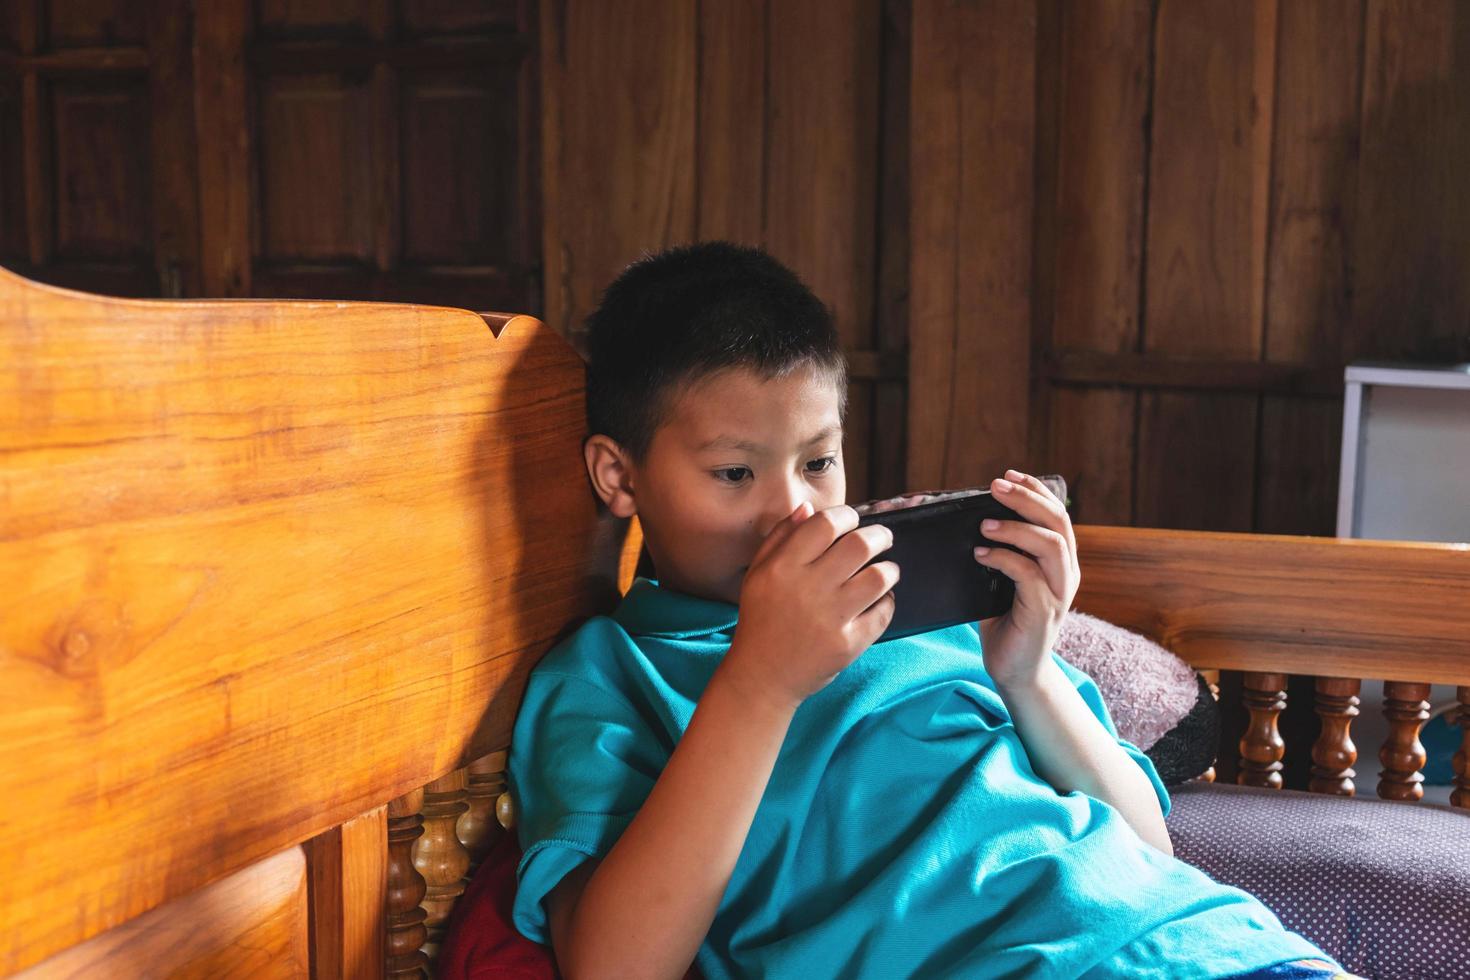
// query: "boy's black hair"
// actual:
[[685, 313]]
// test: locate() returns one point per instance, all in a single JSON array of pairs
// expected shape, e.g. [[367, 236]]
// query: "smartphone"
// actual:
[[941, 584]]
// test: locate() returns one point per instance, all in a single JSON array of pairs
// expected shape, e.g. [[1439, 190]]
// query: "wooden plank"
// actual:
[[821, 119], [1101, 167], [1090, 430], [387, 189], [347, 869], [971, 172], [35, 119], [619, 83], [1044, 225], [1412, 254], [1314, 180], [1332, 606], [1104, 66], [248, 925], [732, 117], [254, 552], [1308, 294], [221, 122], [889, 457], [1196, 459], [1206, 255], [1300, 455], [1212, 123], [175, 160]]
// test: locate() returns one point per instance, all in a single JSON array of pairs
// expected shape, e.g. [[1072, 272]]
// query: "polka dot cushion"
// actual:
[[1384, 887]]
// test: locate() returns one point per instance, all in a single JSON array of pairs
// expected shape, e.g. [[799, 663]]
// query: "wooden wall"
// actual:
[[344, 149], [1130, 241], [1230, 202], [668, 121]]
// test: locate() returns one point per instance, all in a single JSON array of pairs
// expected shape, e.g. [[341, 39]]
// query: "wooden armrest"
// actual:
[[1259, 602]]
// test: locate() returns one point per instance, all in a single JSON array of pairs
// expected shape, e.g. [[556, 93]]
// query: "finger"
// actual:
[[854, 550], [782, 531], [1046, 546], [867, 587], [1033, 500], [1040, 485], [817, 533], [870, 624], [1018, 568]]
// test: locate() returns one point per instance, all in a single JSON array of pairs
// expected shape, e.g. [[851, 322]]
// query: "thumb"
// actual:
[[782, 530]]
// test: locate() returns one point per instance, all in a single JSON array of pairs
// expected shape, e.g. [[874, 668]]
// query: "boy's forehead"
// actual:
[[738, 408]]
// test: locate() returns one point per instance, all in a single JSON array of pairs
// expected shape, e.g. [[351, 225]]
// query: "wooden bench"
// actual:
[[274, 574]]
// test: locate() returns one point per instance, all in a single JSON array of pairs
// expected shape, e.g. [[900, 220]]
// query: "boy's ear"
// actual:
[[611, 473]]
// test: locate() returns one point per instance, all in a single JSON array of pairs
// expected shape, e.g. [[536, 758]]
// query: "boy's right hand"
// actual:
[[810, 604]]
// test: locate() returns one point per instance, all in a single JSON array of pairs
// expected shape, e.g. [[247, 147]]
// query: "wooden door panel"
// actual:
[[392, 147], [251, 925], [315, 183], [101, 212], [94, 23], [459, 184]]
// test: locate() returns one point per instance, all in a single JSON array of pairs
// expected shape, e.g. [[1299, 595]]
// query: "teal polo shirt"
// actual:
[[903, 832]]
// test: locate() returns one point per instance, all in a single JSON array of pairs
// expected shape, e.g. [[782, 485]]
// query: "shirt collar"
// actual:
[[651, 610]]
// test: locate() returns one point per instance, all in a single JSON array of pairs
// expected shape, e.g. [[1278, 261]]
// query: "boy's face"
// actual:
[[736, 455]]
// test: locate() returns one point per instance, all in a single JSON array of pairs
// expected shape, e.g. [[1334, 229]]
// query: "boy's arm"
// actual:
[[809, 605], [1067, 745], [1071, 749], [645, 909]]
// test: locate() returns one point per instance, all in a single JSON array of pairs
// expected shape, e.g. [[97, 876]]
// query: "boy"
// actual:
[[729, 768]]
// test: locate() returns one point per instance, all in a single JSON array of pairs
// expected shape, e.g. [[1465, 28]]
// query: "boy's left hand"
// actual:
[[1018, 644]]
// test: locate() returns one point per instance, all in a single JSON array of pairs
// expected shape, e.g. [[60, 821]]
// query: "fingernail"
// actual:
[[989, 524], [1001, 486], [981, 552], [1016, 475]]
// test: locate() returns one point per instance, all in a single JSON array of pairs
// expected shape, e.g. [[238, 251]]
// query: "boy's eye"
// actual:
[[821, 465], [732, 474]]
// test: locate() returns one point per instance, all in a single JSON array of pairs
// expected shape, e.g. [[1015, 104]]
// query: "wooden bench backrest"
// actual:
[[266, 566]]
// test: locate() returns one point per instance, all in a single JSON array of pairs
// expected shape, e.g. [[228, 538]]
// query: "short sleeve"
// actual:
[[582, 762], [1094, 700]]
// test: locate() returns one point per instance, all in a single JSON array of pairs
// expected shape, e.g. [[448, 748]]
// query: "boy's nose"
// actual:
[[780, 505]]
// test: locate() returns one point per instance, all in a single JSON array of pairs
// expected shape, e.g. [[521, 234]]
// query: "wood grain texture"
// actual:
[[1105, 62], [251, 924], [1412, 254], [732, 121], [971, 172], [1310, 241], [256, 550], [1206, 256], [618, 85], [1334, 607], [348, 877], [821, 177], [222, 126]]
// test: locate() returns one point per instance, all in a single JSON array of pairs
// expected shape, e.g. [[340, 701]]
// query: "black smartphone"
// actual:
[[941, 584]]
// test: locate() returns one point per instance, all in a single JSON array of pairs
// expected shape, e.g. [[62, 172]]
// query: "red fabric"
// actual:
[[481, 942]]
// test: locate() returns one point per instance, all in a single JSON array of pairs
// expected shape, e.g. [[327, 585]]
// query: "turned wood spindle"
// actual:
[[1406, 707], [478, 829], [1261, 747], [406, 887], [1461, 796], [439, 855], [1334, 753]]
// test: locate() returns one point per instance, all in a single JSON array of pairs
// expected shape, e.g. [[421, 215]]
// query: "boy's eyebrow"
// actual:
[[743, 445]]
